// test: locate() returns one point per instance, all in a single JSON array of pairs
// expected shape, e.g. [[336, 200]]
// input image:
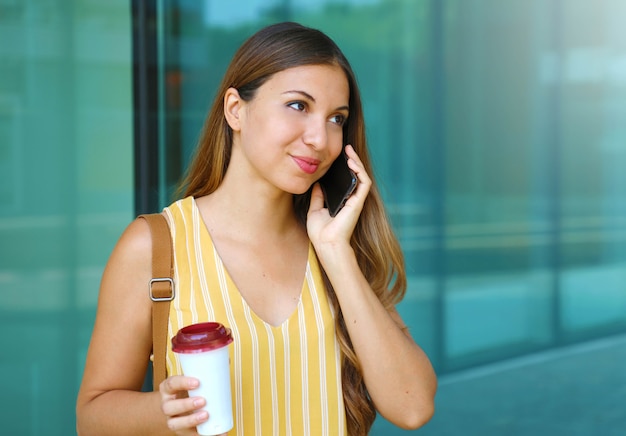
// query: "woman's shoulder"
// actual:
[[134, 245]]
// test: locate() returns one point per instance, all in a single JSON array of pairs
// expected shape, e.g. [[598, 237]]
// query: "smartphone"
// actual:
[[338, 184]]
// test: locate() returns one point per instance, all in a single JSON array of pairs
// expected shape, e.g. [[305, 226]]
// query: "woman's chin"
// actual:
[[299, 189]]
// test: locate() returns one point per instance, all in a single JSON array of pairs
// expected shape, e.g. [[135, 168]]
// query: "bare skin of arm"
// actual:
[[397, 373], [109, 401]]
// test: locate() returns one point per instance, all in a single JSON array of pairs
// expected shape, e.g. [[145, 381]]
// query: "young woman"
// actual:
[[318, 345]]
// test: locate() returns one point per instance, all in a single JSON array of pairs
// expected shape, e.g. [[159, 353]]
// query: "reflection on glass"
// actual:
[[65, 194]]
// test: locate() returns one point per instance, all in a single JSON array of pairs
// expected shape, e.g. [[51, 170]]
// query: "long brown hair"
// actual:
[[269, 51]]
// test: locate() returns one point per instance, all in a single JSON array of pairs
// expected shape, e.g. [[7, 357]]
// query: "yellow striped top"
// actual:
[[286, 379]]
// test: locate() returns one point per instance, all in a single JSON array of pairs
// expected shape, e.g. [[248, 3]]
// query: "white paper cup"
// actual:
[[203, 353]]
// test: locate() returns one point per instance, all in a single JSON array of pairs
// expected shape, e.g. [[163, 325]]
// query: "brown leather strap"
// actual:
[[161, 289]]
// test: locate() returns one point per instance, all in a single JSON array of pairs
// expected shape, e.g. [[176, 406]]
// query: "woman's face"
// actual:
[[292, 130]]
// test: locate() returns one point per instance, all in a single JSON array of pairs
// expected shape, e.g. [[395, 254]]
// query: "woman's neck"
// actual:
[[249, 212]]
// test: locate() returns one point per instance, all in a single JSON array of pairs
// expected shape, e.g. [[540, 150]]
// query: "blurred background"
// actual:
[[498, 133]]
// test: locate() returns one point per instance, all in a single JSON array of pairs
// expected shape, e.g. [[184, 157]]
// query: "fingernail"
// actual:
[[202, 416], [198, 402]]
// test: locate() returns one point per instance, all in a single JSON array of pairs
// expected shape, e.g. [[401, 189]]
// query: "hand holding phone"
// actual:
[[338, 184]]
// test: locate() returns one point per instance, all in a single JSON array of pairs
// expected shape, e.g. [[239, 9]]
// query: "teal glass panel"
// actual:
[[499, 220], [498, 136], [66, 193], [592, 114]]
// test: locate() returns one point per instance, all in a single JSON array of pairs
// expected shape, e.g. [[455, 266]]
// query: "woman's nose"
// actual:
[[316, 134]]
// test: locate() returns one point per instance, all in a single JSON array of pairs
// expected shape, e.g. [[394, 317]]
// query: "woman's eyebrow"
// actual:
[[302, 93], [311, 98]]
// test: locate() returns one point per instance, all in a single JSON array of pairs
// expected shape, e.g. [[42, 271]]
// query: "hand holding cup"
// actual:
[[203, 353]]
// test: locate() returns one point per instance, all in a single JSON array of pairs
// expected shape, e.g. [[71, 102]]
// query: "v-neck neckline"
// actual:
[[233, 289]]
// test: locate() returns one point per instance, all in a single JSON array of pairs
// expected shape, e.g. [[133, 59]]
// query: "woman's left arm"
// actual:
[[399, 376], [397, 373]]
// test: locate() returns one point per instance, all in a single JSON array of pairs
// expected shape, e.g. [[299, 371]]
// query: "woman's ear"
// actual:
[[232, 107]]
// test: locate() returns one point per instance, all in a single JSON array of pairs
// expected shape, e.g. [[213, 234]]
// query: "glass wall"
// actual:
[[66, 193], [498, 135]]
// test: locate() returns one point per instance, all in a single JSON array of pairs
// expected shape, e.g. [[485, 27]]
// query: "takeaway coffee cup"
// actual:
[[203, 353]]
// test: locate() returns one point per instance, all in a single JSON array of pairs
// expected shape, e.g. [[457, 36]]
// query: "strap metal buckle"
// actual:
[[159, 280]]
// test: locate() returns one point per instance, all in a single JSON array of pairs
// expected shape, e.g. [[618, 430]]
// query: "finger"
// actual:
[[182, 406], [356, 165], [179, 423], [364, 181], [317, 198], [176, 383], [352, 154]]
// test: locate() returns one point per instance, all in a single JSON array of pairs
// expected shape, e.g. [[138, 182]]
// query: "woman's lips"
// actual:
[[306, 164]]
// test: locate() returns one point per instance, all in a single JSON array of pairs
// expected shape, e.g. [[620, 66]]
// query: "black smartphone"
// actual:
[[338, 184]]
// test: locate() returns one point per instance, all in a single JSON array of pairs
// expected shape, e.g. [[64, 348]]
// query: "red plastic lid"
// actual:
[[204, 336]]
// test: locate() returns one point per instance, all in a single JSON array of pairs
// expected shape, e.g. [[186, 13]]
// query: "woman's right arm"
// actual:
[[109, 401]]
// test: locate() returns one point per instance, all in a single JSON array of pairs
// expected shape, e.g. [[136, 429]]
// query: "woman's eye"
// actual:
[[297, 105], [338, 119]]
